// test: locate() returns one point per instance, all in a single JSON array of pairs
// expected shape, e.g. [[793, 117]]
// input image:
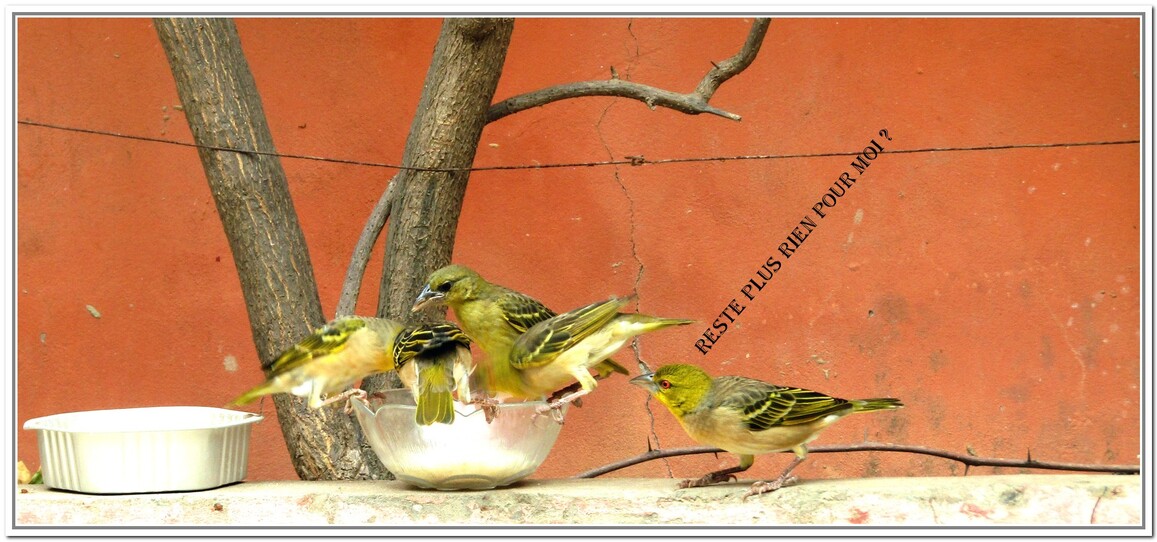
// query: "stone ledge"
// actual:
[[1037, 500]]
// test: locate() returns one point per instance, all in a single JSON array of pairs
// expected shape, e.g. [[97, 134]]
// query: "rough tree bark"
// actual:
[[459, 86], [224, 111], [423, 201], [692, 103]]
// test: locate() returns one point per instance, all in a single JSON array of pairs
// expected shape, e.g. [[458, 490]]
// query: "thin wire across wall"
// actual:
[[630, 160]]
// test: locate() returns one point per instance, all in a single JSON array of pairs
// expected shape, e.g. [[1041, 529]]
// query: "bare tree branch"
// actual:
[[444, 135], [357, 268], [684, 103], [731, 67], [968, 460], [692, 103]]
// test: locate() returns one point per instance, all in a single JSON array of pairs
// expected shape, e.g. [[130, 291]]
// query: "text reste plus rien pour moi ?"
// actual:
[[793, 241]]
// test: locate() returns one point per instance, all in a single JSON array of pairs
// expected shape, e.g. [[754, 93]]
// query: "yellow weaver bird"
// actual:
[[497, 318], [746, 416], [562, 349], [432, 360], [331, 359]]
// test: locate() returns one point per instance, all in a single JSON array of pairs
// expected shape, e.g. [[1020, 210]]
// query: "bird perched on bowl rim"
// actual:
[[747, 417], [493, 316], [562, 349], [496, 318], [329, 360], [432, 360]]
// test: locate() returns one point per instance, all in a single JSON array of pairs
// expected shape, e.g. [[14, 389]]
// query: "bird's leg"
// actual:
[[587, 383], [488, 405], [352, 392], [745, 462], [784, 479], [557, 405], [555, 413], [577, 400], [574, 387], [716, 477]]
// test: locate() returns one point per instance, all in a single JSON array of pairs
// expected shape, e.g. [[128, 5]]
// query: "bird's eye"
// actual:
[[665, 384], [444, 287]]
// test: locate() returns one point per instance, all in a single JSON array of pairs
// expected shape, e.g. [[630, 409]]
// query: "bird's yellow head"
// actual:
[[679, 387], [452, 285]]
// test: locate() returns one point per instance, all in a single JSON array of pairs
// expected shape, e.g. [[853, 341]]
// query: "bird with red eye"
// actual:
[[746, 416]]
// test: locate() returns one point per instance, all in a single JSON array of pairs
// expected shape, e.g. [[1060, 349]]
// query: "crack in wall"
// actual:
[[640, 270]]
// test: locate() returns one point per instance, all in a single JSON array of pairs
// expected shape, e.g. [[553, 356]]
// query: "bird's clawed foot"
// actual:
[[356, 392], [716, 477], [349, 408], [488, 406], [554, 408], [567, 391], [708, 479], [764, 486]]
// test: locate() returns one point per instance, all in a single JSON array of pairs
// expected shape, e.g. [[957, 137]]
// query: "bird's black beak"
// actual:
[[426, 298], [646, 382]]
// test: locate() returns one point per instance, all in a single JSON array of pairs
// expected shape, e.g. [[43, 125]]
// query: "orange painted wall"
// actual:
[[995, 292]]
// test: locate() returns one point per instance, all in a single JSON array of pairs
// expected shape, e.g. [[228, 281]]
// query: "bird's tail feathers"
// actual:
[[879, 403], [435, 404], [608, 367], [652, 323], [251, 395]]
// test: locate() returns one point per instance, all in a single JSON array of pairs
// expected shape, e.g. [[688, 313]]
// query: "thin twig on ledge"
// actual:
[[968, 460], [692, 103], [361, 256]]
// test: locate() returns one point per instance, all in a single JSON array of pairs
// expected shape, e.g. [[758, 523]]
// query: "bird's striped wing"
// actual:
[[546, 339], [764, 406], [427, 339], [326, 340], [522, 312]]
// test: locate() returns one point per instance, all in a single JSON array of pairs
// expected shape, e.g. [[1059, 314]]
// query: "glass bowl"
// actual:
[[466, 454]]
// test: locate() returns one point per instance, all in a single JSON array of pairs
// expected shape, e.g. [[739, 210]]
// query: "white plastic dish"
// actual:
[[466, 454], [143, 450]]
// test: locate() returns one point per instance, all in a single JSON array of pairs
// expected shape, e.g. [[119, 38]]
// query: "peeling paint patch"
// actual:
[[859, 517], [230, 363], [973, 511]]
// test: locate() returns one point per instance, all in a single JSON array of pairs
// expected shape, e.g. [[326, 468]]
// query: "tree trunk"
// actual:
[[224, 110], [459, 87]]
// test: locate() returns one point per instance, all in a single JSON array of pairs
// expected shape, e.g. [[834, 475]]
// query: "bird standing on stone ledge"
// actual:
[[746, 416]]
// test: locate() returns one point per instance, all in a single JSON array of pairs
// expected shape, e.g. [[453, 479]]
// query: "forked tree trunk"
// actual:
[[224, 111], [458, 91]]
